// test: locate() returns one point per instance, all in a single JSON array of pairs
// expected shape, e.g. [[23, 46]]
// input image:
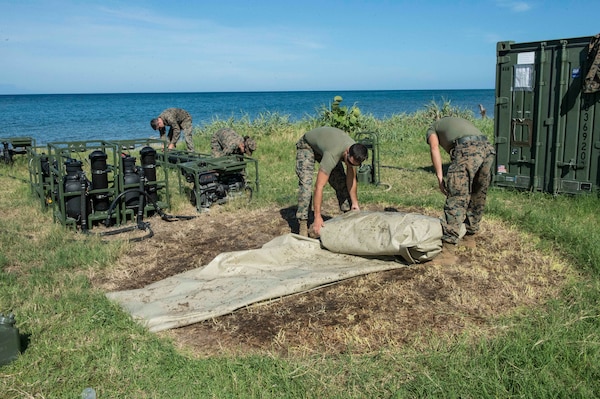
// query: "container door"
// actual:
[[575, 149], [521, 134]]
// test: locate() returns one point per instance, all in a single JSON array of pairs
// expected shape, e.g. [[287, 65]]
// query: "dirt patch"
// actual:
[[497, 272]]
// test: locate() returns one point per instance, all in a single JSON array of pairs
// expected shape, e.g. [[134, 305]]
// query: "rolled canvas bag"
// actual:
[[416, 238]]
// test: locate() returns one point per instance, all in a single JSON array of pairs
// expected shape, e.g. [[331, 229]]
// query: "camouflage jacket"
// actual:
[[173, 117], [226, 141]]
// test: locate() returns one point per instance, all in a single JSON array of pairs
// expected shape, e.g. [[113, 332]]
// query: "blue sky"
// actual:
[[68, 46]]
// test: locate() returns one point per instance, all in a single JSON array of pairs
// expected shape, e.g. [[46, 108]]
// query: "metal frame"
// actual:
[[371, 141], [59, 153], [198, 164], [161, 185]]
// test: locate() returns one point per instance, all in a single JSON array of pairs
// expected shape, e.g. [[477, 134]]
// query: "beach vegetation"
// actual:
[[348, 119]]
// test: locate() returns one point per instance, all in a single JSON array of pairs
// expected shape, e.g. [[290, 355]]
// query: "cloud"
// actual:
[[514, 6], [96, 49], [493, 38]]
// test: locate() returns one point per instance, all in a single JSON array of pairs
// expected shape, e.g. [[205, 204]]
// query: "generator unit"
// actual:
[[91, 182], [14, 145], [214, 180]]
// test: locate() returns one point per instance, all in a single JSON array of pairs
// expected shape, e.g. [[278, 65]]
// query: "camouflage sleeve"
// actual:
[[226, 142], [215, 147], [174, 129], [169, 118], [230, 147], [171, 135]]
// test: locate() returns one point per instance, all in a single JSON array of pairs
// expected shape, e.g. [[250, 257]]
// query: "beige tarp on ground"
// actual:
[[286, 265]]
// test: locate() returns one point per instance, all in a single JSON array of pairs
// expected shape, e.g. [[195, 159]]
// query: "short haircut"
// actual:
[[249, 145], [154, 123], [359, 152]]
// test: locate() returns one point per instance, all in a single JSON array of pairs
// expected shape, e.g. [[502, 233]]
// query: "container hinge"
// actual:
[[501, 100], [523, 161], [571, 164], [504, 46], [503, 59]]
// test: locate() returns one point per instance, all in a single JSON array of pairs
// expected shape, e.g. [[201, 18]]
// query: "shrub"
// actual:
[[342, 117]]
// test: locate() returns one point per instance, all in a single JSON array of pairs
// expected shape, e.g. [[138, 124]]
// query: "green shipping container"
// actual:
[[547, 127]]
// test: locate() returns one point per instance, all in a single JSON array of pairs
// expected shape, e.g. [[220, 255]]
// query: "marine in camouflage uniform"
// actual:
[[329, 147], [591, 83], [227, 141], [467, 178], [177, 119]]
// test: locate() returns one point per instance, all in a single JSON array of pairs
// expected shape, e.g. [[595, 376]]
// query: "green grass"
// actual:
[[77, 338]]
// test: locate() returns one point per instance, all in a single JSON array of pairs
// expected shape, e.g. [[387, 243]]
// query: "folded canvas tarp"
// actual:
[[414, 237], [286, 265]]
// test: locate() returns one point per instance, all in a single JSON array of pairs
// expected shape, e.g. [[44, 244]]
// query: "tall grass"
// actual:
[[77, 338]]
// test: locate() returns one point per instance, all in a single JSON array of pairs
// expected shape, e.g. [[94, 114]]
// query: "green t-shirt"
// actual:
[[330, 143], [450, 128]]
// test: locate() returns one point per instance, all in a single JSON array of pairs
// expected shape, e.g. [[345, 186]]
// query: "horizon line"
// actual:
[[231, 92]]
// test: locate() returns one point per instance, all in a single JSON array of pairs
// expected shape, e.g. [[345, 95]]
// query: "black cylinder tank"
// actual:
[[74, 181], [130, 177], [148, 160], [99, 180]]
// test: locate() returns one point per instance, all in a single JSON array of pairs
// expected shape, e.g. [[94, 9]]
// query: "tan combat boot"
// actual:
[[468, 241], [447, 256], [303, 231]]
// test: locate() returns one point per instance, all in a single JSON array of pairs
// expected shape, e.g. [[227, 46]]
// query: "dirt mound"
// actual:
[[493, 274]]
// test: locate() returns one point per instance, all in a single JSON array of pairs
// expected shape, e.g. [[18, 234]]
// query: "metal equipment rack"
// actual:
[[214, 179]]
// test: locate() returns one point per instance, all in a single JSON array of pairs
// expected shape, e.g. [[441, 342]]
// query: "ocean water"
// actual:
[[83, 117]]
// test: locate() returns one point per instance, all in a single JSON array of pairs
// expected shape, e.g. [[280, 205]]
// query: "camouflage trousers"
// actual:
[[305, 170], [467, 182], [188, 131]]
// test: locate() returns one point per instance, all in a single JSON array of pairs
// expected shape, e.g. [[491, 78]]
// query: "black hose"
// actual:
[[140, 225], [146, 227], [163, 215]]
